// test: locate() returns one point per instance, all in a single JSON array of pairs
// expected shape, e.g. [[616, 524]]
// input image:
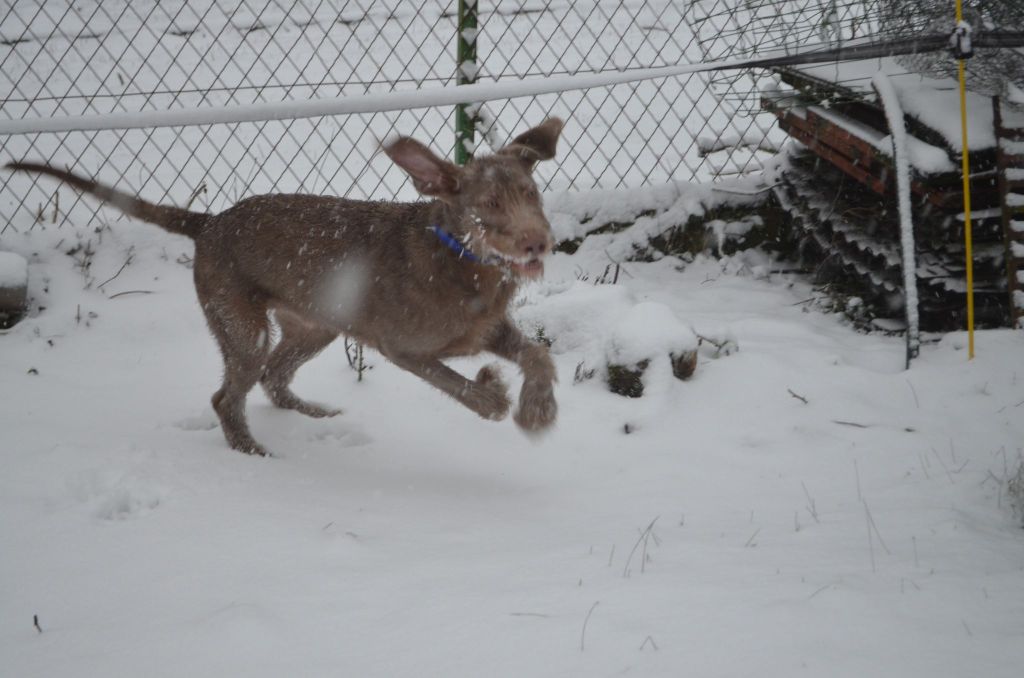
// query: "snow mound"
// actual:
[[573, 316], [13, 270], [610, 330], [648, 331]]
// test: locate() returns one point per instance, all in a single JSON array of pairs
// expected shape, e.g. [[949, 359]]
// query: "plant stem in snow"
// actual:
[[849, 423], [924, 465], [127, 261], [642, 540], [871, 523], [649, 640], [811, 507], [583, 632], [121, 294], [917, 403], [823, 588], [871, 541], [943, 465]]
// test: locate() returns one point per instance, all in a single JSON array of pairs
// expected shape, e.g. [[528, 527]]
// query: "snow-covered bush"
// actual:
[[624, 343], [13, 287], [648, 336], [679, 219]]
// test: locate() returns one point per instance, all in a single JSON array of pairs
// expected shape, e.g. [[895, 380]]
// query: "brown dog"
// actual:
[[420, 282]]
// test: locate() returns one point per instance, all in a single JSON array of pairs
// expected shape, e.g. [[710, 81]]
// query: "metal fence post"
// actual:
[[466, 70]]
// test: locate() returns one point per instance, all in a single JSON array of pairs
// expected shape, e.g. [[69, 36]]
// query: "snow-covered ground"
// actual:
[[800, 506]]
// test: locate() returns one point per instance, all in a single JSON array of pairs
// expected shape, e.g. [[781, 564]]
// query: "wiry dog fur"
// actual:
[[375, 271]]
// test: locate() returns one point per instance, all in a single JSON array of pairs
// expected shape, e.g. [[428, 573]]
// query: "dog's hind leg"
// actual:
[[299, 343], [238, 320]]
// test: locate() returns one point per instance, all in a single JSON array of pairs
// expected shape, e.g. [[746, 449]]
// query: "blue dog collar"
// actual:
[[457, 246]]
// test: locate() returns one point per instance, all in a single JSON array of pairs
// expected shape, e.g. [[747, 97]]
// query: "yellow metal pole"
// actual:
[[965, 169]]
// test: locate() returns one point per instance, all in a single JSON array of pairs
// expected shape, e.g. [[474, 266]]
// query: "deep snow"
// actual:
[[13, 270], [801, 505]]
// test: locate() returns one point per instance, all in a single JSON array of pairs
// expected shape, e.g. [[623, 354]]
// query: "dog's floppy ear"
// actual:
[[536, 144], [431, 175]]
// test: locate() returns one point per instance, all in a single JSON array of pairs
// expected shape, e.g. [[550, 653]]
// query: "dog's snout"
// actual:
[[535, 244], [536, 247]]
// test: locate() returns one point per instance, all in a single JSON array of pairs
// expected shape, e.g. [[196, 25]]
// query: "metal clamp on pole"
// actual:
[[960, 41]]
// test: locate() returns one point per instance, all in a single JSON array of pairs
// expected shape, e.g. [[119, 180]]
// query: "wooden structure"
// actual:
[[1010, 164], [840, 193]]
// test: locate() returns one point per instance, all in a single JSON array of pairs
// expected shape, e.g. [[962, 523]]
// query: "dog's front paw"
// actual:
[[537, 409], [492, 401]]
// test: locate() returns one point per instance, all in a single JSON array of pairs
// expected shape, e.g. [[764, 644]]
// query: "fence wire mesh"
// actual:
[[994, 72], [737, 29], [79, 57], [64, 57]]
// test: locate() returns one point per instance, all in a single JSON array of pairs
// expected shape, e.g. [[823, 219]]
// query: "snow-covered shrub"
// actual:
[[13, 287], [725, 230], [679, 219], [624, 343], [627, 380], [647, 335]]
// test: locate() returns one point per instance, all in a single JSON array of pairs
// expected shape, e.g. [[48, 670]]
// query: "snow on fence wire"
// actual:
[[735, 29], [87, 57]]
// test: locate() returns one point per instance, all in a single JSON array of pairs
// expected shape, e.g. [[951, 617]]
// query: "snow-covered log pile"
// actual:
[[840, 190], [1010, 162]]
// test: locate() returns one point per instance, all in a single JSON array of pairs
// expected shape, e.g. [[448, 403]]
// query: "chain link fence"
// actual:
[[994, 72], [87, 57], [81, 57], [734, 29], [741, 29]]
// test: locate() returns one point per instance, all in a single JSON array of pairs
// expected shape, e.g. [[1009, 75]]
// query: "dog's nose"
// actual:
[[538, 248], [535, 247]]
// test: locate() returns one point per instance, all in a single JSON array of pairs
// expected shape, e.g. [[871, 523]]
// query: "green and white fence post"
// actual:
[[466, 69]]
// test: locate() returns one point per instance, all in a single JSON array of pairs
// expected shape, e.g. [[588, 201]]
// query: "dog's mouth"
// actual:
[[523, 267], [531, 268]]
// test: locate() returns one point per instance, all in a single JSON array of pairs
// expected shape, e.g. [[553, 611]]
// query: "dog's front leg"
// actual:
[[537, 409], [487, 395]]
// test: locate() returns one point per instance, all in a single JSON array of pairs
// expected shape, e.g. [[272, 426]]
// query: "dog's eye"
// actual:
[[492, 203]]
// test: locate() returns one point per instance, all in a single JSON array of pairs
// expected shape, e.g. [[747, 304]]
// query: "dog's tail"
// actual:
[[173, 219]]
